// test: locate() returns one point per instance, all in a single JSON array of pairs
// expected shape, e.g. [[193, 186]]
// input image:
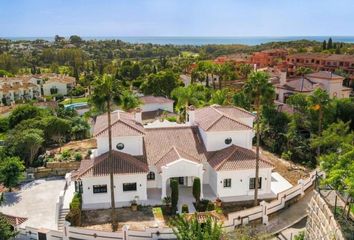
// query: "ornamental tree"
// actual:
[[174, 193], [11, 169], [196, 189]]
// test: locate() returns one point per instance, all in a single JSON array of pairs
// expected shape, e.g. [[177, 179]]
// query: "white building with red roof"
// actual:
[[215, 145]]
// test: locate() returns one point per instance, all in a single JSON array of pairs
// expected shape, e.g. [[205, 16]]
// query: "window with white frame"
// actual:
[[227, 182]]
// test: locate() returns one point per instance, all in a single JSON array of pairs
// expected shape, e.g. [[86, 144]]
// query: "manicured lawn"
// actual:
[[74, 100]]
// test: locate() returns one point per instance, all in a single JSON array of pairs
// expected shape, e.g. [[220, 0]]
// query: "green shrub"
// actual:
[[58, 97], [185, 208], [210, 206], [74, 215], [171, 119], [196, 189], [77, 156], [77, 91], [4, 124], [174, 193], [65, 155]]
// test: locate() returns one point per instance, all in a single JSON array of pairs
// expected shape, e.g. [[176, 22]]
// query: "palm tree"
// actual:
[[319, 101], [129, 101], [194, 94], [302, 71], [106, 91], [261, 92]]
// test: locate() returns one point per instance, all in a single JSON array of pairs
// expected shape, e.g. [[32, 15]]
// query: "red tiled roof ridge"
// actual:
[[177, 150], [120, 119], [222, 114]]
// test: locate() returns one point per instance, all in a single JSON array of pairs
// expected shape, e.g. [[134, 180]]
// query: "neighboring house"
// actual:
[[325, 80], [17, 88], [154, 107], [214, 145], [321, 62], [58, 84]]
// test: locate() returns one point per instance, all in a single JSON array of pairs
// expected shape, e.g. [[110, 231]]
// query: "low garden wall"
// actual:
[[234, 219], [56, 169]]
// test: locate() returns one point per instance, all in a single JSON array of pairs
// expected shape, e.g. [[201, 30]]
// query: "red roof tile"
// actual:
[[121, 163], [236, 158], [155, 99], [217, 118], [123, 124]]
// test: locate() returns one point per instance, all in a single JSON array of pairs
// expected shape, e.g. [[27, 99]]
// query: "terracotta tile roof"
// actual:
[[121, 163], [154, 99], [324, 56], [175, 154], [298, 85], [324, 75], [217, 118], [123, 124], [159, 141], [236, 158], [13, 220]]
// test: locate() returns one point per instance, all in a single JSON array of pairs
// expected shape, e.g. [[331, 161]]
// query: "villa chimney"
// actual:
[[282, 78], [191, 114], [138, 117]]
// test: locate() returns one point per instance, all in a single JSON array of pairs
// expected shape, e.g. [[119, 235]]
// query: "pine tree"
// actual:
[[330, 44], [324, 45]]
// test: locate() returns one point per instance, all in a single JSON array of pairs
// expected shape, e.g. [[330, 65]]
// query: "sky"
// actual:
[[219, 18]]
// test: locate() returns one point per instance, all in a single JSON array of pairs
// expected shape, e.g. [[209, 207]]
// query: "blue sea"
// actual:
[[205, 40]]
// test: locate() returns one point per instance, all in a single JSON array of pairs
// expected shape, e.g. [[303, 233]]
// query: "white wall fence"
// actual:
[[265, 209], [234, 219]]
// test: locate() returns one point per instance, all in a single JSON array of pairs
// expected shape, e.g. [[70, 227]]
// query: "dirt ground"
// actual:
[[78, 146], [100, 219], [289, 170]]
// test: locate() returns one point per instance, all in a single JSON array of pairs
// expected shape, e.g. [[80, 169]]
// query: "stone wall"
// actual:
[[321, 224], [56, 169]]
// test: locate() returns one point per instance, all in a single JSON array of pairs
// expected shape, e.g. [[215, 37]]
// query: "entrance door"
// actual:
[[181, 180]]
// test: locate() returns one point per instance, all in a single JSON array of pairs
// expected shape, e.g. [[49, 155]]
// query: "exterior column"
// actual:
[[163, 185]]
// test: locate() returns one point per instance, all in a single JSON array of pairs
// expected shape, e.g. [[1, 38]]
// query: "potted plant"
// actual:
[[134, 204], [218, 202], [167, 202]]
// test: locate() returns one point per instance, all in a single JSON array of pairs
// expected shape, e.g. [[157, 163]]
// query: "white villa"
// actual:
[[214, 145], [325, 80]]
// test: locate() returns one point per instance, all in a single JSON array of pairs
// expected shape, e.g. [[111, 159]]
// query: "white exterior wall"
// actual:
[[132, 145], [62, 88], [157, 182], [240, 182], [103, 200], [213, 180], [156, 106], [214, 141]]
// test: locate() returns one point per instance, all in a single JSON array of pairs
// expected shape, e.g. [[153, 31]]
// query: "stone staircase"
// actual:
[[61, 220]]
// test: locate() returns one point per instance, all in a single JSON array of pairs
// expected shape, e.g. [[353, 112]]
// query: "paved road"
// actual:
[[36, 201]]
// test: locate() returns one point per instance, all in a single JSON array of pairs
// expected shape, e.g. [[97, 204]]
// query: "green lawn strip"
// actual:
[[158, 215]]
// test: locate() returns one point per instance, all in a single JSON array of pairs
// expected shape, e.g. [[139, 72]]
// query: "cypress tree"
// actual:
[[196, 189], [324, 45], [174, 193], [330, 44]]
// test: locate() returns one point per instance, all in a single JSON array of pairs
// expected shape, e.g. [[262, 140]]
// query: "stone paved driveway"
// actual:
[[36, 201]]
